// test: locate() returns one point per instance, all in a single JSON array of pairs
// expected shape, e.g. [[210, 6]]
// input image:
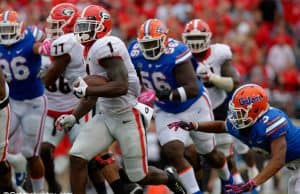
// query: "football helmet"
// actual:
[[248, 103], [197, 35], [94, 22], [61, 20], [153, 38], [11, 27]]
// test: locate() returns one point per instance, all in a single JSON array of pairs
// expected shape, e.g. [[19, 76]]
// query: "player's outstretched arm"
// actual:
[[277, 161], [278, 149], [229, 79], [118, 79], [2, 86], [209, 126]]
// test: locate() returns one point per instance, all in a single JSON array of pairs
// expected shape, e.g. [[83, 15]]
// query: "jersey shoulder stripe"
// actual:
[[275, 126], [183, 56]]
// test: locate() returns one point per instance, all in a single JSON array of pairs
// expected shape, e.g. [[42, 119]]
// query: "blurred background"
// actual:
[[264, 36]]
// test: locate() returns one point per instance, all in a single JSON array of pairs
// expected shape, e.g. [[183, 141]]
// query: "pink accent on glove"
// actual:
[[45, 47], [147, 97], [241, 188]]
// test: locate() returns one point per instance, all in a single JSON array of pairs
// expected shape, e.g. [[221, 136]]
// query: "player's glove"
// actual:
[[79, 88], [65, 122], [188, 126], [147, 97], [241, 188], [203, 72], [163, 94], [45, 47]]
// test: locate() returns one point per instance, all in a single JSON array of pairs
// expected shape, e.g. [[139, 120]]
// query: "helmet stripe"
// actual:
[[195, 24], [6, 14], [147, 27]]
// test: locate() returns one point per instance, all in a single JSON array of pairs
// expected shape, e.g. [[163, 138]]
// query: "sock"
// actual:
[[118, 187], [100, 188], [237, 178], [188, 180], [223, 172], [252, 171], [37, 185]]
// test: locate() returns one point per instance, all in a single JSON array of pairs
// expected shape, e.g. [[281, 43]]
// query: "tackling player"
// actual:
[[119, 119], [216, 71], [266, 129], [165, 66], [20, 50]]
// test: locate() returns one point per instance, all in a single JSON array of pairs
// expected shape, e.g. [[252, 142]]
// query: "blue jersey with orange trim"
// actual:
[[158, 74], [271, 125], [21, 66]]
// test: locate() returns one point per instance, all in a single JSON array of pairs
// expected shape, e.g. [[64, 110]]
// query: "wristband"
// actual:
[[182, 94]]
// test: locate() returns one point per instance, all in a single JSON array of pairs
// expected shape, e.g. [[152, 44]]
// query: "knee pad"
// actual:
[[18, 162], [100, 161]]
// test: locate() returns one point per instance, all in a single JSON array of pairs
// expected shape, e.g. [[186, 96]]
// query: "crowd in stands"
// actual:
[[264, 34]]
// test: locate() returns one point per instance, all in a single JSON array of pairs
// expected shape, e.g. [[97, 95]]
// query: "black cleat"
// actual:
[[174, 185], [134, 188], [55, 188]]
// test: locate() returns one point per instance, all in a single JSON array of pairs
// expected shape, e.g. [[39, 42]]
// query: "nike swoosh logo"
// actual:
[[127, 121], [19, 51]]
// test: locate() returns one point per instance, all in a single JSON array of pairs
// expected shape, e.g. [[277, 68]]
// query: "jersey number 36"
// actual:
[[15, 69]]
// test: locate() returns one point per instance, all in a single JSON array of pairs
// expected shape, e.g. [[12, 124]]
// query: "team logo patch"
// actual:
[[249, 100], [68, 11], [104, 15]]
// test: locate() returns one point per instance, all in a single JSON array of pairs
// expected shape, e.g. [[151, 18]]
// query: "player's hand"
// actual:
[[163, 94], [188, 126], [203, 72], [241, 188], [65, 122], [45, 47], [147, 97], [79, 88]]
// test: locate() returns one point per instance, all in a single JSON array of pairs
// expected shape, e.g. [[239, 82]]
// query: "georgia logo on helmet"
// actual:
[[11, 27], [153, 38], [94, 22], [248, 103], [197, 35], [61, 20]]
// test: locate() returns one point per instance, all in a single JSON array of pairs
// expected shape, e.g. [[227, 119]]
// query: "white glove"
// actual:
[[79, 88], [203, 72], [65, 122]]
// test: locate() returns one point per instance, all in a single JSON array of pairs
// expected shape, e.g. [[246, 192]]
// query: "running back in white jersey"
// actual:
[[60, 95], [67, 44], [219, 53], [108, 47]]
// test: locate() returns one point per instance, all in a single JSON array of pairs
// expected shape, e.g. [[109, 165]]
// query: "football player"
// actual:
[[266, 129], [5, 175], [216, 71], [165, 66], [63, 68], [119, 120], [20, 49]]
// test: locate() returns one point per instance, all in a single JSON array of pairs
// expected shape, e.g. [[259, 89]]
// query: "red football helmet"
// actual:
[[153, 38], [197, 35], [11, 27], [94, 22], [61, 20], [248, 103]]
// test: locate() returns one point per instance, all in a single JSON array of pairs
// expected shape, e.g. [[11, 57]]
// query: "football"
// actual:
[[95, 80]]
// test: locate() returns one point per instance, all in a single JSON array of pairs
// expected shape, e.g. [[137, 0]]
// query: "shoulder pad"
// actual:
[[181, 51], [223, 51], [108, 46], [36, 33], [63, 44], [134, 49]]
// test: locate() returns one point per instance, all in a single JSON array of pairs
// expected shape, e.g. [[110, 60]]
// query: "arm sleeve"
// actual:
[[38, 34], [276, 128]]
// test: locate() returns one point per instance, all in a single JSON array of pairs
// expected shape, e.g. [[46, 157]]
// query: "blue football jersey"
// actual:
[[158, 74], [271, 125], [21, 66]]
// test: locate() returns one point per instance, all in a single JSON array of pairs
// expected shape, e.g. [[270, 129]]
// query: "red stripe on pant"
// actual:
[[142, 138]]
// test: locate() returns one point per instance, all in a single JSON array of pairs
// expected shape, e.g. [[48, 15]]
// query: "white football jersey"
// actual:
[[60, 95], [218, 55], [67, 44], [107, 47]]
